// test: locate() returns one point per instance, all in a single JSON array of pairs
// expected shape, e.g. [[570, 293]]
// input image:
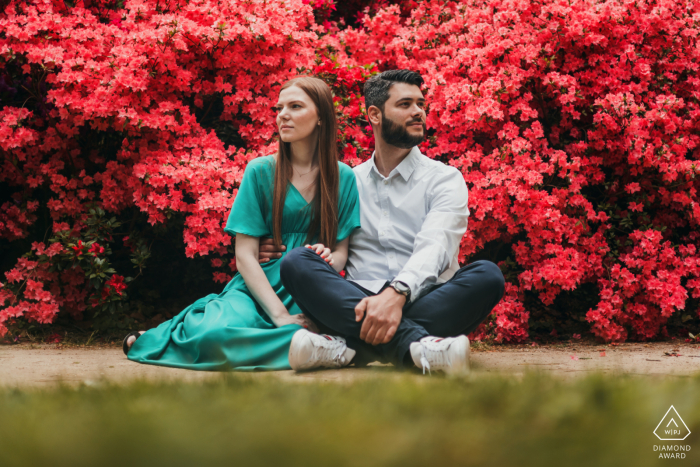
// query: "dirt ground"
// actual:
[[37, 365]]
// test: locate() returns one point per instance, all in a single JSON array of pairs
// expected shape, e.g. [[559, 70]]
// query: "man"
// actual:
[[405, 300]]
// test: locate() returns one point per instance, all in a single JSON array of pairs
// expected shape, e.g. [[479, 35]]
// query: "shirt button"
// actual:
[[381, 233], [386, 182], [386, 213]]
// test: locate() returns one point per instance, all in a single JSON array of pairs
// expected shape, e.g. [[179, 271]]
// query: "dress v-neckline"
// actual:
[[306, 203]]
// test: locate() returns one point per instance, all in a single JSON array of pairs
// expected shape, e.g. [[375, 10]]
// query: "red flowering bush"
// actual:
[[110, 106], [47, 279], [575, 125]]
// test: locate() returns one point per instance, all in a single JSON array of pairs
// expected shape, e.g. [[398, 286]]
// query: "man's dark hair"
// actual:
[[377, 87]]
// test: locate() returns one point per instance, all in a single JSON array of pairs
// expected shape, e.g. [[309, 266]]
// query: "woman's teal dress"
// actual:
[[231, 330]]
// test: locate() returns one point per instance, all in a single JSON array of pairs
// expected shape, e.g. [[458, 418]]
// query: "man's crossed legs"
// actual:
[[455, 307]]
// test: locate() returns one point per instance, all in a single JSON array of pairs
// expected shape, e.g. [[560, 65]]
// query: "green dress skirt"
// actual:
[[231, 331]]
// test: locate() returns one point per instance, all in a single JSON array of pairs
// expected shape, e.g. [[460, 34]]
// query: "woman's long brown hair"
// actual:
[[325, 203]]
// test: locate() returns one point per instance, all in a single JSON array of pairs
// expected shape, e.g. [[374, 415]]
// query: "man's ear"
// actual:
[[374, 115]]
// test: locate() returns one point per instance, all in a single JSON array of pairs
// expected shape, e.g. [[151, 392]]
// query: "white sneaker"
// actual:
[[450, 354], [310, 350]]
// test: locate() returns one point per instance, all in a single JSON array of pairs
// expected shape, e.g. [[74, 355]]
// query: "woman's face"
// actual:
[[297, 116]]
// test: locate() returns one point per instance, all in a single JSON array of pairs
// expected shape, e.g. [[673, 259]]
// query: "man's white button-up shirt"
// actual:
[[412, 224]]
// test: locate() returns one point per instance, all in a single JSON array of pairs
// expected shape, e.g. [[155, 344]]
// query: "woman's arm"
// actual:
[[340, 254], [259, 286]]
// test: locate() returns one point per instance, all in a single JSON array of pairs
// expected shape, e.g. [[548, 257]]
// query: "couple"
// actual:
[[394, 223]]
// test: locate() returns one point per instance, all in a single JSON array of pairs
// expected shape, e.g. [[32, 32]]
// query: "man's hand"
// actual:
[[382, 316], [267, 250]]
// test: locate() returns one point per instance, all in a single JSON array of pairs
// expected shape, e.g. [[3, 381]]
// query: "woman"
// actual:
[[299, 196]]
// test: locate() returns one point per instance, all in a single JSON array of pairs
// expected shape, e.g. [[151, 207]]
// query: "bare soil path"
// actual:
[[37, 365]]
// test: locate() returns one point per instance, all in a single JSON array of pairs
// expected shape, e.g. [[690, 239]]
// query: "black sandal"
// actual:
[[125, 347]]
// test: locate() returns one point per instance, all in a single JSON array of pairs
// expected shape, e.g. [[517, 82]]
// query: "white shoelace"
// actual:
[[326, 351], [439, 357]]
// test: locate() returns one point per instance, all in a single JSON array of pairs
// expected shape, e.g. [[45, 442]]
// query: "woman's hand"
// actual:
[[300, 319], [325, 253]]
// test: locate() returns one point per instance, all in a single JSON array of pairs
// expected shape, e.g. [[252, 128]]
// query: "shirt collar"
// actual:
[[405, 168]]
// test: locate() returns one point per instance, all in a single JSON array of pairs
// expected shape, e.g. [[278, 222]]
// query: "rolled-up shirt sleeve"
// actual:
[[440, 235]]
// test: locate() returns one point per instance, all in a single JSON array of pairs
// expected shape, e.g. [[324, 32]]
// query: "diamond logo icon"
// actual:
[[672, 427]]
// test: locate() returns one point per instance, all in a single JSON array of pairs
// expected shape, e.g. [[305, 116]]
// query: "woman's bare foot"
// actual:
[[132, 339]]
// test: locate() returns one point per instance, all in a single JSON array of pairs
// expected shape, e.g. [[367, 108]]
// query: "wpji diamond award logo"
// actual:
[[671, 428]]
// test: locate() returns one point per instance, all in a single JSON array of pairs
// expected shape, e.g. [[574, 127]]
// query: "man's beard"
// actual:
[[397, 135]]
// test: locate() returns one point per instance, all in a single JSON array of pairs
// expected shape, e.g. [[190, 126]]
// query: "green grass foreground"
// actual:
[[239, 420]]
